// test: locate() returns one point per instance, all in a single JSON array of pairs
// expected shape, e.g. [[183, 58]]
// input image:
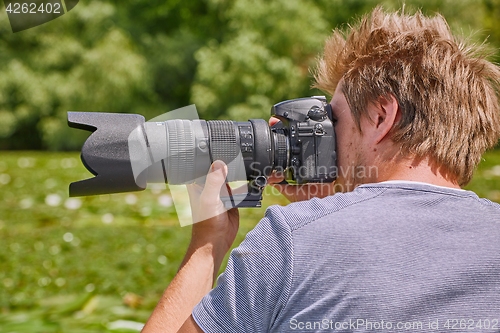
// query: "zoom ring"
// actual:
[[223, 143]]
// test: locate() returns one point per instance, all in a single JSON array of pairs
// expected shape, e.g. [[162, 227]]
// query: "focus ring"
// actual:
[[281, 149]]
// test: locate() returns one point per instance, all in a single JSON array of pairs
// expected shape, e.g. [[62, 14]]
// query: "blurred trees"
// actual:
[[232, 58], [492, 23], [81, 62], [263, 57]]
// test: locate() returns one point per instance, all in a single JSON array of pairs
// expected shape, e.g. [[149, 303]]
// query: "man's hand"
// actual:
[[213, 223]]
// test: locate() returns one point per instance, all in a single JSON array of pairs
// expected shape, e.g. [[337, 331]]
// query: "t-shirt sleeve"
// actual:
[[254, 288]]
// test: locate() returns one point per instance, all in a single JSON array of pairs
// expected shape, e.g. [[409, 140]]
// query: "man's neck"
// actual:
[[417, 170]]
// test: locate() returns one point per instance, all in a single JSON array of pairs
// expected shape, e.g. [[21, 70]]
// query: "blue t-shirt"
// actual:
[[386, 257]]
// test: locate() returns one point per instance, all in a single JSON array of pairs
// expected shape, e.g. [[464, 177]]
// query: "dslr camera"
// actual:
[[125, 152]]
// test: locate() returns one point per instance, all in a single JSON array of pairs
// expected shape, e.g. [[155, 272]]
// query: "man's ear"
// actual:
[[383, 114]]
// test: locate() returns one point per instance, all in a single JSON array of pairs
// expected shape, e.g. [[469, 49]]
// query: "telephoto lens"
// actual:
[[125, 152]]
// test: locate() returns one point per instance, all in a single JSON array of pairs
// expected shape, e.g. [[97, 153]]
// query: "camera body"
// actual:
[[125, 153], [307, 123]]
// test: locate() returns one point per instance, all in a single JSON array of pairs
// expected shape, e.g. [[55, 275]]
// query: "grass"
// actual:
[[83, 264], [99, 264]]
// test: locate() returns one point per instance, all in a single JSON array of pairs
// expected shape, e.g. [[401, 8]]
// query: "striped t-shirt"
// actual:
[[386, 257]]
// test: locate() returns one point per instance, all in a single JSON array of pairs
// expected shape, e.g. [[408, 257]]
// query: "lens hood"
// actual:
[[106, 153]]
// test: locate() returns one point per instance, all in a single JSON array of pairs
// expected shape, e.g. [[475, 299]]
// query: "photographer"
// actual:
[[400, 246]]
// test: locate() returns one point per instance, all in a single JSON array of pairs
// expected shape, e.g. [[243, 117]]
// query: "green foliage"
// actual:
[[262, 59], [491, 19], [171, 65], [49, 70], [232, 58], [55, 244]]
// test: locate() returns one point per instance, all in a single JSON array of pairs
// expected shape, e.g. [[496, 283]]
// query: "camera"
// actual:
[[125, 152]]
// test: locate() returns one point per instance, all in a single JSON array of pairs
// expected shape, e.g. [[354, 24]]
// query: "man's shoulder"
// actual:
[[300, 213], [385, 196]]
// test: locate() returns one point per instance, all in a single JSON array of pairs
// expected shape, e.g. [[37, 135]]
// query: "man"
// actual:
[[403, 248]]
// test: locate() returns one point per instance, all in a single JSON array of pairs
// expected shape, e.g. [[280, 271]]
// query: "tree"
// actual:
[[490, 23], [263, 58], [232, 58], [81, 62]]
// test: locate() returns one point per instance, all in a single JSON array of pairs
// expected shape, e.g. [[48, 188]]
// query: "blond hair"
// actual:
[[447, 91]]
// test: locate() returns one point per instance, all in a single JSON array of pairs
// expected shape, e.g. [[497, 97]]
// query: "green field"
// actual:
[[99, 264]]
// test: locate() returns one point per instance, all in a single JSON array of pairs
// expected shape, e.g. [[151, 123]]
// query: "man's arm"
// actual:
[[210, 241]]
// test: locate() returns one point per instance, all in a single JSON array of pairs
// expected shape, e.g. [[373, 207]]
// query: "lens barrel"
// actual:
[[249, 149]]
